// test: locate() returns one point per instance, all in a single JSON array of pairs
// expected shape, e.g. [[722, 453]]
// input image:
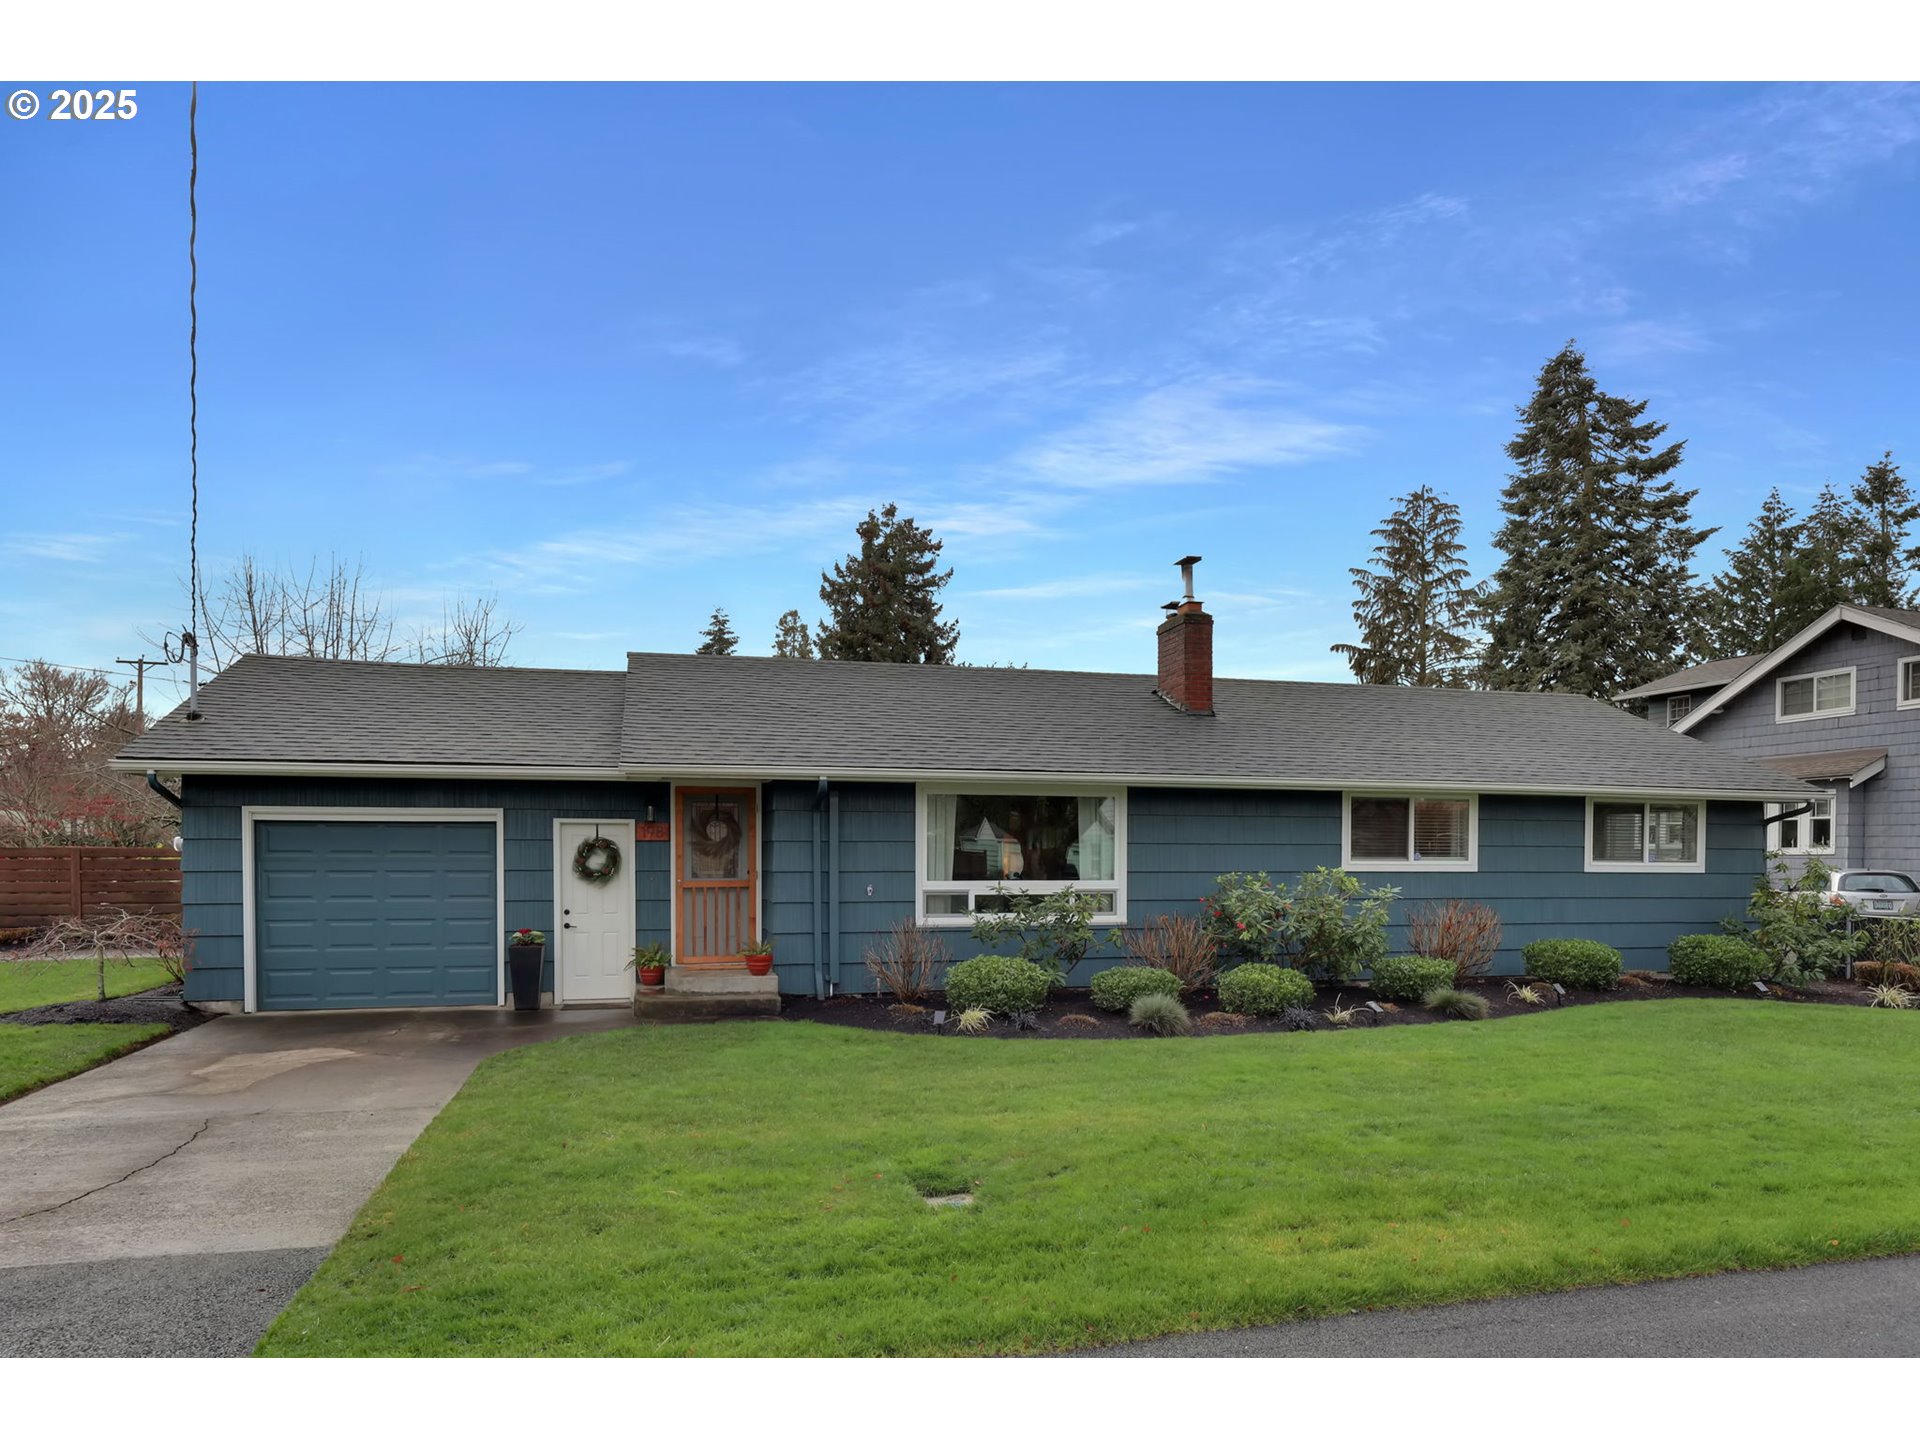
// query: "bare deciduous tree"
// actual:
[[58, 728], [471, 632], [332, 612], [111, 933]]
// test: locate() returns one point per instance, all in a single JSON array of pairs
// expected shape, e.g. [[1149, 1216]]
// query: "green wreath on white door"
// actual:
[[597, 860]]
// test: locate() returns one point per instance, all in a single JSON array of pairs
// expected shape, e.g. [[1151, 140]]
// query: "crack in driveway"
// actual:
[[75, 1199]]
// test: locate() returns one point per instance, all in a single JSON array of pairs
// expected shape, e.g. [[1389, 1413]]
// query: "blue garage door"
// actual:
[[353, 912]]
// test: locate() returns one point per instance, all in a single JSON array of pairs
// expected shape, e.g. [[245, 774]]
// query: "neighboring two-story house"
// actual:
[[1837, 706]]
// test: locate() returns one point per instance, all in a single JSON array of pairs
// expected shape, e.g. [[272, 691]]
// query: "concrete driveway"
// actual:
[[171, 1203]]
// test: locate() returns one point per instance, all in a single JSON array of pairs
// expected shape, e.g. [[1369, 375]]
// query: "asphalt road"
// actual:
[[1843, 1308]]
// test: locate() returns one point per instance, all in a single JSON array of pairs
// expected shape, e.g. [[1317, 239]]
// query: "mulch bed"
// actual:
[[868, 1012], [150, 1007]]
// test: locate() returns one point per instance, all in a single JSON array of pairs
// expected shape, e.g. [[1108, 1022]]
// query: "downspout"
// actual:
[[153, 784], [819, 957], [833, 886]]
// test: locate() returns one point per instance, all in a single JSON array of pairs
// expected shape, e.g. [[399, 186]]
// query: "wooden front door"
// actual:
[[717, 875]]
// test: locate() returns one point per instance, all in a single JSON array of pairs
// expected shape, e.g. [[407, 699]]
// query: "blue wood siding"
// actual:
[[1532, 864], [210, 881]]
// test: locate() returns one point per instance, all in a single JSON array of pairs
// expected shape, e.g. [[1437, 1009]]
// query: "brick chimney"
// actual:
[[1186, 650]]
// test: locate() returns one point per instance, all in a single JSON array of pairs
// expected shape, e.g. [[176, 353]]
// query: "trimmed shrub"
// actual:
[[1259, 989], [1159, 1013], [1460, 1004], [1408, 977], [1004, 984], [1118, 988], [1725, 962], [1583, 964]]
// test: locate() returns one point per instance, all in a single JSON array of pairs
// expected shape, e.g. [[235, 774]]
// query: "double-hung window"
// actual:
[[978, 846], [1411, 832], [1808, 833], [1909, 683], [1646, 835], [1811, 697]]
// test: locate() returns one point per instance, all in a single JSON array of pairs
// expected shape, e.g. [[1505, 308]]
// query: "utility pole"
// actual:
[[140, 668]]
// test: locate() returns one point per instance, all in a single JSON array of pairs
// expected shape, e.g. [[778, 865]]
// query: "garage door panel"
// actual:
[[366, 913]]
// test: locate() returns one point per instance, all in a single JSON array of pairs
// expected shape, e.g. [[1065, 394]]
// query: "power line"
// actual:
[[83, 669], [191, 640]]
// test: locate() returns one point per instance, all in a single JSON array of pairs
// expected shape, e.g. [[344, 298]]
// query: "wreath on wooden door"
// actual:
[[597, 860]]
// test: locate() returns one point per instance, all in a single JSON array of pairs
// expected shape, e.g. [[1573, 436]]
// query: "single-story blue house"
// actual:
[[360, 834]]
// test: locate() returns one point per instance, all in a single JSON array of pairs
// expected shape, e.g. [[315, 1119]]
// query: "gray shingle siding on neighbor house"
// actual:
[[1877, 824]]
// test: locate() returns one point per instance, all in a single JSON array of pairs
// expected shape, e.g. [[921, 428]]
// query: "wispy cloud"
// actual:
[[878, 390], [719, 351], [69, 548], [442, 469], [1179, 433], [1067, 588]]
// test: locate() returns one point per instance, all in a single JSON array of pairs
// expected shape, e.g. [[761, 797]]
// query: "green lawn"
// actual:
[[751, 1189], [27, 983], [36, 1055]]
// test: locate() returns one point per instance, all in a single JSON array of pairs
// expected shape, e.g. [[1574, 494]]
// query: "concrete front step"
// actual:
[[669, 1007], [691, 980]]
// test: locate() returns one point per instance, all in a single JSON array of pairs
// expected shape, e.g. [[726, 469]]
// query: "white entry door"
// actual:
[[593, 923]]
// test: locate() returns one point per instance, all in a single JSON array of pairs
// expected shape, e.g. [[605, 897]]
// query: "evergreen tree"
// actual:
[[791, 638], [1882, 560], [883, 603], [718, 638], [1831, 550], [1766, 592], [1597, 592], [1416, 606]]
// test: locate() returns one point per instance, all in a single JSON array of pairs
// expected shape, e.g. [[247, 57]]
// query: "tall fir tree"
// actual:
[[791, 638], [1883, 561], [883, 602], [1765, 593], [1830, 551], [1597, 592], [718, 638], [1416, 605]]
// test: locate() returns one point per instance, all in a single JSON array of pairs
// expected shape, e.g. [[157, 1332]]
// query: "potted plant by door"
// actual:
[[651, 962], [526, 953], [759, 955]]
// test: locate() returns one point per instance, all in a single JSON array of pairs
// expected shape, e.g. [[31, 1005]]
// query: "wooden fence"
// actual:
[[39, 884]]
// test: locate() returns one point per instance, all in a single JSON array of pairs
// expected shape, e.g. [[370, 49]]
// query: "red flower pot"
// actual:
[[759, 964], [653, 976]]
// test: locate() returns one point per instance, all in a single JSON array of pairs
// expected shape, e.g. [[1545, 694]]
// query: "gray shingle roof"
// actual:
[[1708, 676], [765, 718], [1825, 765], [321, 712], [751, 715]]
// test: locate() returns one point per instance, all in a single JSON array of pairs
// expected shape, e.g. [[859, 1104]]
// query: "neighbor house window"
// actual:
[[1910, 683], [979, 846], [1636, 834], [1402, 832], [1678, 708], [1809, 833], [1807, 697]]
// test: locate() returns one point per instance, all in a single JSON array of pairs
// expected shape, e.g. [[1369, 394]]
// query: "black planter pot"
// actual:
[[523, 972]]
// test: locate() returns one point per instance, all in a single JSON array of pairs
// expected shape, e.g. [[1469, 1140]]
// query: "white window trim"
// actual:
[[1900, 684], [1697, 866], [1816, 676], [417, 814], [1672, 700], [1805, 822], [921, 884], [1347, 862]]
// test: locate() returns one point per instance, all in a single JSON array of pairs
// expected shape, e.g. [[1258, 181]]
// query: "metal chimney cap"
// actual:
[[1188, 560]]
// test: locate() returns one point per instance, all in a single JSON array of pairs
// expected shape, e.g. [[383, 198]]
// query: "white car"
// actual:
[[1874, 892]]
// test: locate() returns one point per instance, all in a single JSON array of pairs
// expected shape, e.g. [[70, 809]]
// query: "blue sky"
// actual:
[[622, 353]]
